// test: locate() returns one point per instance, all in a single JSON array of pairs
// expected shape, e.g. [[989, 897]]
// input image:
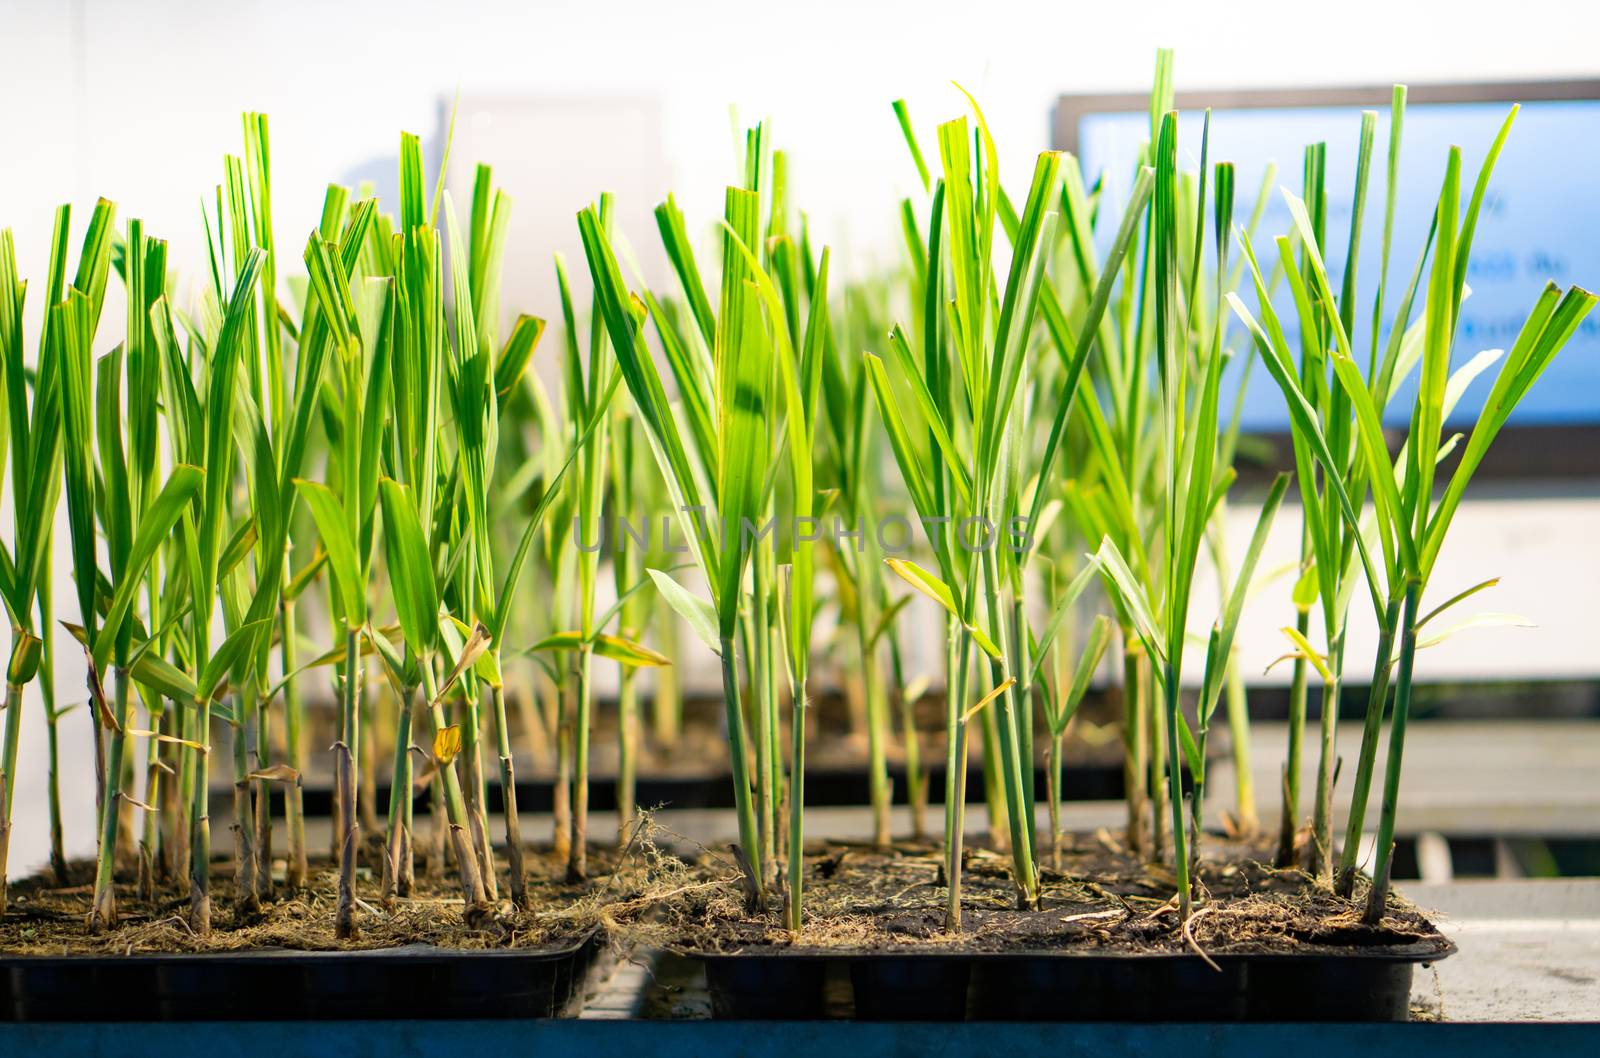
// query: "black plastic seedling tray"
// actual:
[[412, 982], [1367, 984]]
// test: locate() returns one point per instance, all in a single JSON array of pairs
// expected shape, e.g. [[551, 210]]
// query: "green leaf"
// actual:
[[416, 596], [239, 645], [155, 528], [940, 592], [1121, 581], [329, 514], [700, 614]]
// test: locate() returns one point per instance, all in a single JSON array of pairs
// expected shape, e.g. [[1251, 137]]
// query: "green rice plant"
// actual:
[[281, 440], [32, 431], [589, 395], [989, 361], [733, 439], [361, 318], [852, 467], [1190, 380], [135, 518], [1061, 704], [1410, 521]]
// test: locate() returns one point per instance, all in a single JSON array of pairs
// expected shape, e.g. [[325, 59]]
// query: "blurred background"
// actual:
[[138, 103]]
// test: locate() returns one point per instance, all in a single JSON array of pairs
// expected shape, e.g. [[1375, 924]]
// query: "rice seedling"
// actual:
[[990, 356], [731, 368], [1410, 522], [33, 429], [590, 403]]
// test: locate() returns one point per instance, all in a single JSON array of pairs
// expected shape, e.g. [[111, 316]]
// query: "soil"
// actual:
[[858, 899], [1101, 899], [44, 918]]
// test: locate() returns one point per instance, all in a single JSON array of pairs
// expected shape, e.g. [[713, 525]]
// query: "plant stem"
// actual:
[[760, 688], [263, 793], [561, 794], [955, 795], [345, 757], [1180, 847], [1016, 802], [8, 780], [395, 846], [1378, 898], [877, 721], [508, 794], [476, 791], [627, 752], [1377, 696], [797, 797], [103, 913], [1244, 784], [1156, 725], [244, 852], [455, 806], [1134, 776], [1289, 822], [578, 852], [741, 777], [916, 781], [154, 791], [294, 748], [666, 709], [1322, 815], [200, 824], [1024, 723], [1053, 775], [47, 692]]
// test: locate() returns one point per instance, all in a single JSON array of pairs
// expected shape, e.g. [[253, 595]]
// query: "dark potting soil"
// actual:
[[1099, 899], [44, 917]]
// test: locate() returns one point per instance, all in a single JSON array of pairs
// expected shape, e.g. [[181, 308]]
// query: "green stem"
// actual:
[[578, 852], [1322, 814], [1289, 821], [955, 799], [346, 755], [797, 797], [760, 714], [200, 823], [1180, 847], [471, 877], [741, 775], [294, 749], [1377, 697], [627, 753], [1244, 784], [244, 858], [1024, 695], [1053, 774], [1378, 898], [916, 782], [1016, 802], [877, 720], [394, 881], [508, 793], [103, 913], [8, 780]]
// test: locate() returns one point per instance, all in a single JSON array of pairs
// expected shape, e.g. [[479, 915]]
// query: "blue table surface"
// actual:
[[401, 1039]]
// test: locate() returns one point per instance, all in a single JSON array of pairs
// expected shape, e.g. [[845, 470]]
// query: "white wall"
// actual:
[[138, 101]]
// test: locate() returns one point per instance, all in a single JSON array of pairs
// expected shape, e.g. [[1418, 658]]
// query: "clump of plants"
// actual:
[[340, 481]]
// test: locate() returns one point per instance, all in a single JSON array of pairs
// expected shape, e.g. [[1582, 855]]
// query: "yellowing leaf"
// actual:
[[446, 744], [986, 699]]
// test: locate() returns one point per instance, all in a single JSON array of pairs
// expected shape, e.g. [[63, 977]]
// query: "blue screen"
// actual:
[[1540, 221]]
